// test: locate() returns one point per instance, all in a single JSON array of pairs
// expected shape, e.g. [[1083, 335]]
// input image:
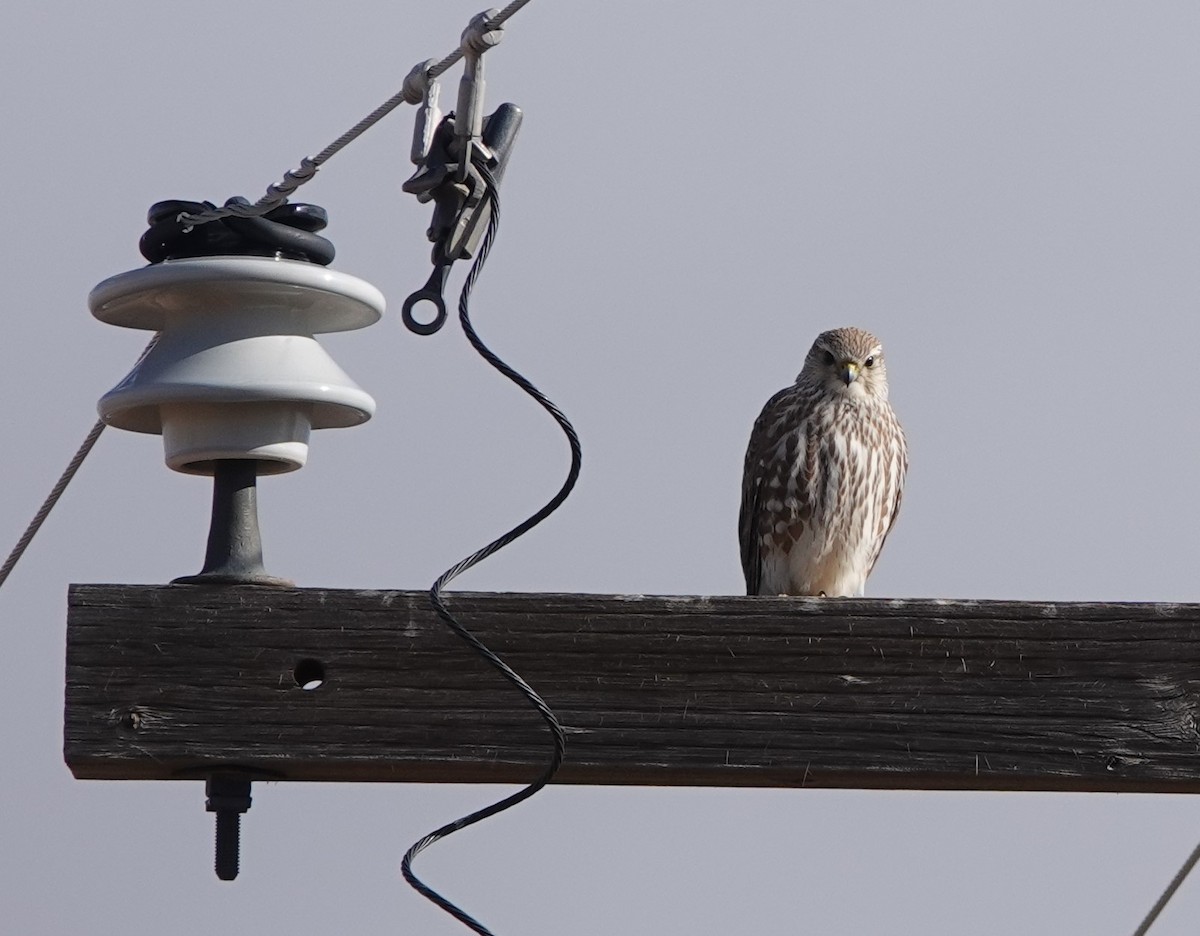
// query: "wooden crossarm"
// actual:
[[173, 681]]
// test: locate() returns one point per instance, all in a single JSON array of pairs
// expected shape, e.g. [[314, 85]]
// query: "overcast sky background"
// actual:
[[1005, 192]]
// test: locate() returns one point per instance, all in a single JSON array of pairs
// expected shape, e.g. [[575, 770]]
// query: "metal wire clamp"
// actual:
[[448, 161]]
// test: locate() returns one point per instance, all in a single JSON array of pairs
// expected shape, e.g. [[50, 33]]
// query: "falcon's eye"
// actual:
[[829, 359], [870, 362]]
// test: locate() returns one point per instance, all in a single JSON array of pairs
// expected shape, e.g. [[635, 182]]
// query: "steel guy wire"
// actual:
[[1162, 901], [278, 193], [558, 735], [60, 486]]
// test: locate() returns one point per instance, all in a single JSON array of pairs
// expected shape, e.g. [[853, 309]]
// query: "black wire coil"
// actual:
[[558, 736], [288, 232]]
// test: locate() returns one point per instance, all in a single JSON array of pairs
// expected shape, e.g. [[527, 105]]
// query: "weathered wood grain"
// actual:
[[171, 681]]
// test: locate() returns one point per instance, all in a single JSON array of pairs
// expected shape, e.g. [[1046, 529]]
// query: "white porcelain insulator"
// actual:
[[236, 372]]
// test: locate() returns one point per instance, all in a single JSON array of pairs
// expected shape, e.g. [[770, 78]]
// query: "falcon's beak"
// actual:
[[848, 372]]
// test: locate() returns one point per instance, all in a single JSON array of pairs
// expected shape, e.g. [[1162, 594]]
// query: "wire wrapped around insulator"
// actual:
[[287, 232]]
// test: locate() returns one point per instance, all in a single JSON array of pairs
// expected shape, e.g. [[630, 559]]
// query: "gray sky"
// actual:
[[1005, 192]]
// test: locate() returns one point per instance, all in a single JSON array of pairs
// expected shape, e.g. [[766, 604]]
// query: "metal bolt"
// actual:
[[228, 796]]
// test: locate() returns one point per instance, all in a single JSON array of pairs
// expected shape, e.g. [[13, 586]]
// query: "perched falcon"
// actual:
[[824, 473]]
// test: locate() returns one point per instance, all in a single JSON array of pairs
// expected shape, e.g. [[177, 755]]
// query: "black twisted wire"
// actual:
[[439, 606]]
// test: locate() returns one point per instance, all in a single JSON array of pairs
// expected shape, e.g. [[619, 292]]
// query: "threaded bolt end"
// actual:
[[228, 798], [228, 844]]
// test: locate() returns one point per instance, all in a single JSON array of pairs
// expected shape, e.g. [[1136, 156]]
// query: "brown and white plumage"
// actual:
[[824, 474]]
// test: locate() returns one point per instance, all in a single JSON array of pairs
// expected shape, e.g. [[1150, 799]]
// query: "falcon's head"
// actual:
[[846, 362]]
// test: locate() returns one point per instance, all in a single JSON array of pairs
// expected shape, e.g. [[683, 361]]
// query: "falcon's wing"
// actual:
[[762, 440], [900, 467], [748, 529]]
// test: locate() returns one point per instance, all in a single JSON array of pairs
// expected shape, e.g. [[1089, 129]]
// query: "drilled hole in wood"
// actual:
[[309, 674]]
